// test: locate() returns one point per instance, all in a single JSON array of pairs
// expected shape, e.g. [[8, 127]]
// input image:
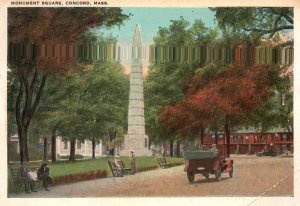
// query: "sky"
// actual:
[[150, 19]]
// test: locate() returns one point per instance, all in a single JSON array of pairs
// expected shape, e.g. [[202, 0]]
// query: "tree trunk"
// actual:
[[93, 146], [227, 135], [290, 131], [20, 125], [20, 136], [45, 149], [8, 151], [201, 135], [25, 147], [53, 145], [171, 147], [216, 138], [112, 136], [72, 149], [29, 106], [178, 148]]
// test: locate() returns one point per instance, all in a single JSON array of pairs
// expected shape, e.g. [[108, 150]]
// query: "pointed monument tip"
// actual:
[[137, 35], [137, 26]]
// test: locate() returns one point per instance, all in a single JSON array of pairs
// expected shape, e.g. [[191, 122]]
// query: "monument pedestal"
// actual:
[[137, 143]]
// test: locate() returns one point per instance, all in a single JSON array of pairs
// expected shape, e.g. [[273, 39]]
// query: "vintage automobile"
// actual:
[[206, 162]]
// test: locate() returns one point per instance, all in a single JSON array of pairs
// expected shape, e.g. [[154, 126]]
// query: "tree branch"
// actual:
[[38, 97], [269, 31], [283, 14], [275, 26], [33, 81], [18, 103], [24, 80], [288, 18]]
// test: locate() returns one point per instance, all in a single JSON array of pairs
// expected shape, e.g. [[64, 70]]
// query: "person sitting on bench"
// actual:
[[43, 174], [118, 166], [28, 176]]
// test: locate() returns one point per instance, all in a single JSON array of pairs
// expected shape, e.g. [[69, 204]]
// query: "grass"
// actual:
[[81, 166]]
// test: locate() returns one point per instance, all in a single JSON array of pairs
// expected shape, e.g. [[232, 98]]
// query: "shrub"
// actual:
[[79, 177]]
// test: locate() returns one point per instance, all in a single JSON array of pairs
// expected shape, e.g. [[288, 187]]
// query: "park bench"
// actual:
[[162, 162], [19, 181], [115, 171]]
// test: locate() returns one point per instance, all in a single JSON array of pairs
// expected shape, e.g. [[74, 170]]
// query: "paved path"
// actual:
[[84, 188], [253, 176]]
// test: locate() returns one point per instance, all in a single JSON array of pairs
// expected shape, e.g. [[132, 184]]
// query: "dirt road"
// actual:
[[253, 176]]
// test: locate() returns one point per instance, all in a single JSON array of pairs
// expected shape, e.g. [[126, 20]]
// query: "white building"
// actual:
[[83, 148]]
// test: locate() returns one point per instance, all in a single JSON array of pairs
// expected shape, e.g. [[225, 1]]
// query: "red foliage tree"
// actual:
[[234, 91]]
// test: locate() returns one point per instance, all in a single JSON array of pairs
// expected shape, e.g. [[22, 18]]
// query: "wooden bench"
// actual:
[[118, 172], [162, 162], [126, 170], [19, 181]]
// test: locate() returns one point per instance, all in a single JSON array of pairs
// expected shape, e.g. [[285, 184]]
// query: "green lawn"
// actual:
[[80, 166]]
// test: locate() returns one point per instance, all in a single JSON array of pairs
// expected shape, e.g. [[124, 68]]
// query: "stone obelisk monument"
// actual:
[[136, 139]]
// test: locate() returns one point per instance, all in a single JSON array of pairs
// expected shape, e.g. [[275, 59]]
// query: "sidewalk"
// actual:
[[84, 188]]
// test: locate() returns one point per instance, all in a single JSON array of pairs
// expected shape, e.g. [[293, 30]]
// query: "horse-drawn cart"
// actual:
[[205, 163]]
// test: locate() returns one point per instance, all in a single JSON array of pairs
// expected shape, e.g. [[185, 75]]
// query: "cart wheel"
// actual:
[[231, 171], [218, 173], [190, 176], [206, 176]]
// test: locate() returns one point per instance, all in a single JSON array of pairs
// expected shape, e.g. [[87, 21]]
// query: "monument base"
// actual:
[[137, 144], [136, 152]]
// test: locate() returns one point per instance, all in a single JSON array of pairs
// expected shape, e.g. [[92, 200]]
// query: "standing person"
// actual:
[[24, 175], [43, 174], [133, 164]]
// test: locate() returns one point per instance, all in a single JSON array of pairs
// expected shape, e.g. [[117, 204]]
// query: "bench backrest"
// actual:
[[14, 169]]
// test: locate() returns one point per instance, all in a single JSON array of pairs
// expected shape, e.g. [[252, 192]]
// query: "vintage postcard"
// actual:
[[149, 102]]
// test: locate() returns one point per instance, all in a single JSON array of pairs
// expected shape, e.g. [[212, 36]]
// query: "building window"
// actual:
[[65, 145], [231, 138], [221, 137], [78, 145], [247, 139], [263, 139], [213, 138], [284, 137], [146, 142]]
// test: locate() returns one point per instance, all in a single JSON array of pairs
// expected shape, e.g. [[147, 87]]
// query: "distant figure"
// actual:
[[27, 175], [118, 166], [133, 164], [43, 174]]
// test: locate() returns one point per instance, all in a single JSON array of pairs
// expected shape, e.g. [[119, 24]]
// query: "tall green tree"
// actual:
[[42, 26], [92, 101], [258, 21], [165, 83]]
